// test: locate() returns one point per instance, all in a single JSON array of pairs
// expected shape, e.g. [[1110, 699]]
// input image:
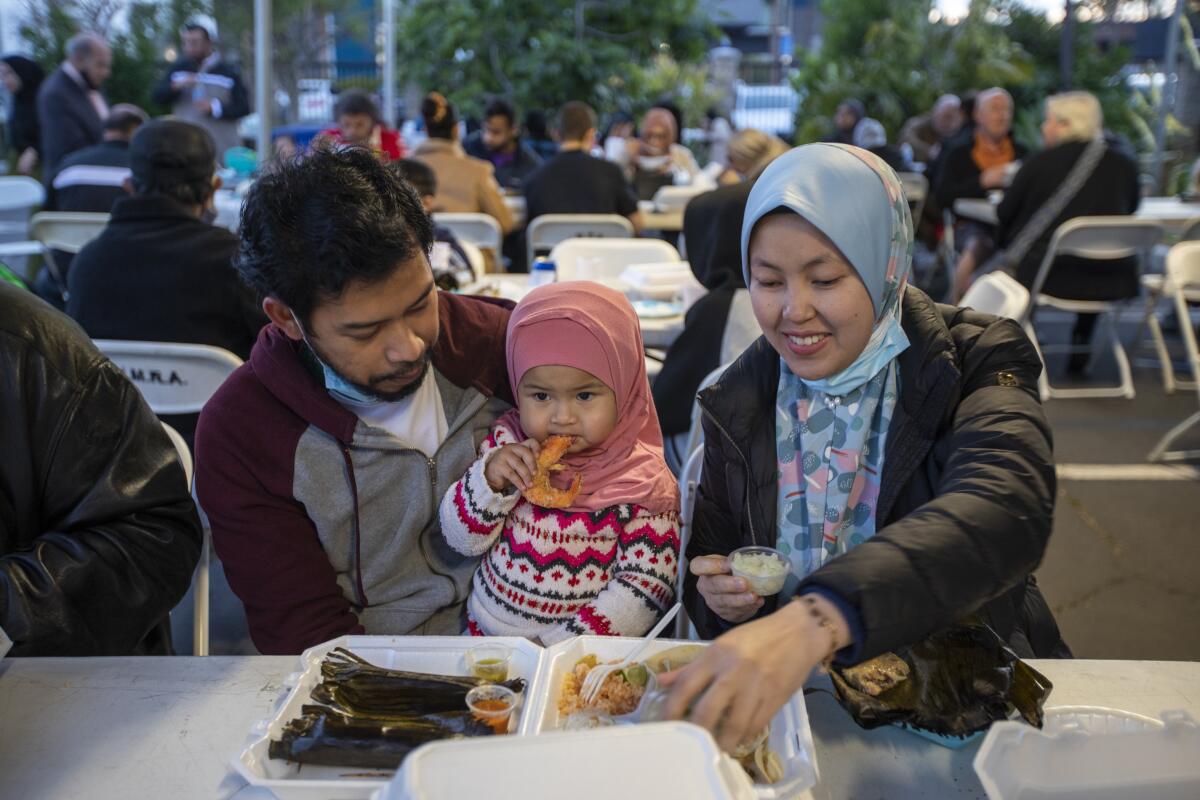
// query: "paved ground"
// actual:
[[1122, 572]]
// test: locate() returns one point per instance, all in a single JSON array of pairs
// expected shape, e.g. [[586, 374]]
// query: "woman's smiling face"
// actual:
[[809, 301]]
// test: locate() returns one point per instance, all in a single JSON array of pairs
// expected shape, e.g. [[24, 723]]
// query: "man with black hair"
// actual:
[[359, 123], [159, 271], [499, 141], [576, 182], [321, 462], [93, 178], [202, 88]]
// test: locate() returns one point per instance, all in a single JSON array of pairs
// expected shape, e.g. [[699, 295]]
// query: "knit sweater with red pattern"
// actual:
[[554, 574]]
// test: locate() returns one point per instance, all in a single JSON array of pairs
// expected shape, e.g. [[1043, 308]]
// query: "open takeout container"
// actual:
[[535, 718], [1094, 753]]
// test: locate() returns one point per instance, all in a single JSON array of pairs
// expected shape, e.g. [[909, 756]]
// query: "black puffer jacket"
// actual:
[[98, 534], [967, 498]]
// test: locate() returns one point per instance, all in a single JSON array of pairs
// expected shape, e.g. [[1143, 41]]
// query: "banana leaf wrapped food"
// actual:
[[954, 683], [369, 716]]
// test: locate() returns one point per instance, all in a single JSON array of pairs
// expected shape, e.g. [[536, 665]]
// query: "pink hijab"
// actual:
[[593, 328]]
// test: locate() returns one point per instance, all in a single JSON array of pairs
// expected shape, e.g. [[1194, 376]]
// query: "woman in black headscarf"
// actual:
[[22, 77]]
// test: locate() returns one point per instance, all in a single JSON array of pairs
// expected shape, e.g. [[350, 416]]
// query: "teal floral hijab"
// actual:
[[831, 433]]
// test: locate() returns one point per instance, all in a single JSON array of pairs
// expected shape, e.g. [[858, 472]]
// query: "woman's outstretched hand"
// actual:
[[735, 687], [728, 597]]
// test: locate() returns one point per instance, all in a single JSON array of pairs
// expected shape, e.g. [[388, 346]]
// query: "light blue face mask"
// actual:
[[837, 189], [341, 389]]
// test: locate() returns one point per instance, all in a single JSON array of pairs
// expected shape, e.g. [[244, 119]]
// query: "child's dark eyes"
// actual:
[[585, 396], [541, 397]]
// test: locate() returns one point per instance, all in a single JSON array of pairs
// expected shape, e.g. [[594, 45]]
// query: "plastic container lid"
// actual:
[[1093, 753], [669, 759]]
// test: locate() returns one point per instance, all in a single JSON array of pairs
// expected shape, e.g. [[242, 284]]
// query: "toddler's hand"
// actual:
[[512, 465]]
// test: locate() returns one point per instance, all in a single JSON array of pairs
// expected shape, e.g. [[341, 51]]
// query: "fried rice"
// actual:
[[616, 696]]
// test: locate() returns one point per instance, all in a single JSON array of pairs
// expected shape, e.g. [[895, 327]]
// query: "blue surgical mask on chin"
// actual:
[[335, 384]]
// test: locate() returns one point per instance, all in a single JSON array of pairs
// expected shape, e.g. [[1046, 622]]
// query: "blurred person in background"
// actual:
[[847, 115], [975, 166], [927, 134], [22, 78], [576, 182], [499, 142], [202, 88], [749, 151], [93, 178], [718, 132], [71, 109], [359, 123], [159, 272], [869, 134], [464, 183], [655, 159], [422, 178], [537, 135], [1073, 123]]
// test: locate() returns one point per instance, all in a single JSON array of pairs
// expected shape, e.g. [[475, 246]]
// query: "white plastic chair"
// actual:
[[689, 482], [549, 229], [670, 199], [67, 231], [178, 379], [1156, 289], [481, 230], [607, 258], [185, 452], [695, 438], [19, 195], [997, 293], [1100, 238], [1182, 284], [916, 189]]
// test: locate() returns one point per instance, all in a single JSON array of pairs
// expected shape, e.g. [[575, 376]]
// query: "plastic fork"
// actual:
[[599, 673]]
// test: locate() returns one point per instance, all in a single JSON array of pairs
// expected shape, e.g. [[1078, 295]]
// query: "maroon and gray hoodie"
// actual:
[[327, 525]]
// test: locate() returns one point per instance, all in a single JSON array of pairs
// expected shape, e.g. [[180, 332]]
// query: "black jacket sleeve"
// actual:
[[163, 93], [987, 526], [239, 100], [63, 132], [120, 535], [959, 177]]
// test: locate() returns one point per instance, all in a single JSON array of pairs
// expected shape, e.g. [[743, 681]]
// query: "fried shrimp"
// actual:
[[541, 493]]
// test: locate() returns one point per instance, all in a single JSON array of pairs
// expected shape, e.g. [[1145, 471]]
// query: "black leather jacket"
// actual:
[[967, 497], [98, 534]]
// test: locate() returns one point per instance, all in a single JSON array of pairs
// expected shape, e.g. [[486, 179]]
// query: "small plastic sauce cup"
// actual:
[[766, 571], [489, 662], [492, 704]]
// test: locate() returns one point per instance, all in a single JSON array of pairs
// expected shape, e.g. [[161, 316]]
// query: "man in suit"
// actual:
[[202, 88], [71, 110]]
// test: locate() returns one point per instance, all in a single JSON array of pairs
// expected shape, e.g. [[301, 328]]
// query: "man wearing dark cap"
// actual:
[[159, 271]]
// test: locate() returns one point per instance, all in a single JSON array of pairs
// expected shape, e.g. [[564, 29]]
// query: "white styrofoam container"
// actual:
[[537, 713], [791, 736], [1093, 753], [582, 765], [444, 655]]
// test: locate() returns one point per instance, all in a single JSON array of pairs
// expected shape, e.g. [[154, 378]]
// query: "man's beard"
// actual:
[[371, 387]]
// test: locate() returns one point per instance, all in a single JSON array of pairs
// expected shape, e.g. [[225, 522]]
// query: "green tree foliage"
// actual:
[[540, 53], [137, 46], [897, 60]]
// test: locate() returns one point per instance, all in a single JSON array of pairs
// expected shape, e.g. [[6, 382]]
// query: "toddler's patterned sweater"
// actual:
[[554, 574]]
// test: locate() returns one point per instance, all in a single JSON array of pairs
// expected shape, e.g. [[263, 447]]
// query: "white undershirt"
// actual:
[[418, 420]]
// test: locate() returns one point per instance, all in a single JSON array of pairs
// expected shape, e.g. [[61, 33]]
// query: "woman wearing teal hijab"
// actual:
[[893, 448]]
